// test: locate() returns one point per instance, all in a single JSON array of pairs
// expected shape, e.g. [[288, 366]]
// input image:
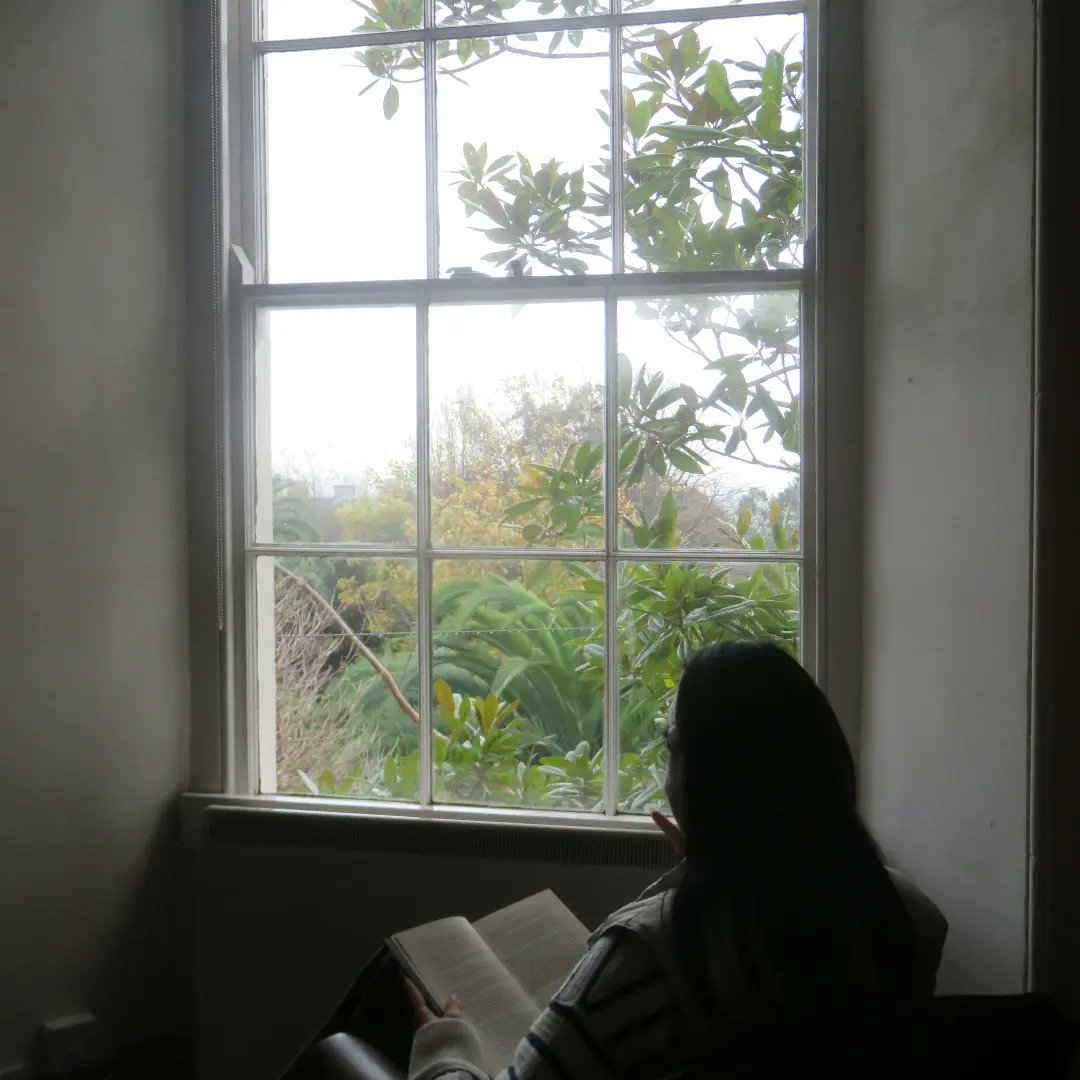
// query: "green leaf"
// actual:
[[487, 710], [768, 120], [722, 194], [694, 133], [491, 205], [682, 460], [689, 47], [638, 196], [531, 533], [647, 387], [509, 670], [772, 79], [769, 407], [521, 509], [742, 522], [502, 236], [390, 101], [586, 458], [637, 116], [718, 87], [793, 435], [669, 510], [444, 697], [668, 397], [629, 451]]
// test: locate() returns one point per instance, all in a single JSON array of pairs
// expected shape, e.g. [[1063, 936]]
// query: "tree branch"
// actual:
[[368, 655], [755, 460], [782, 372]]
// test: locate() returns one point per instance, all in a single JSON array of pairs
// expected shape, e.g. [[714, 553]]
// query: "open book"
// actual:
[[504, 967]]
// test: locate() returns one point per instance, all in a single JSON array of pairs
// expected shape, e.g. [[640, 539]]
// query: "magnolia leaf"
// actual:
[[681, 459], [716, 83], [668, 397], [390, 101]]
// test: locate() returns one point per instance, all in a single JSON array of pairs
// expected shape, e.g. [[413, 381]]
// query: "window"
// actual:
[[524, 412]]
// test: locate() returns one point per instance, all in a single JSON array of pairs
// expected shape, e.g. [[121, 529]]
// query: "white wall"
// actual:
[[947, 486], [93, 679]]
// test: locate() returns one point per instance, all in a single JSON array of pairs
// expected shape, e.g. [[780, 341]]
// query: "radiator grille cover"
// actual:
[[345, 832]]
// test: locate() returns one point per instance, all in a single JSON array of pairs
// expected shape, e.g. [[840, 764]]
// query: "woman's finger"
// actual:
[[421, 1013], [453, 1007], [670, 830]]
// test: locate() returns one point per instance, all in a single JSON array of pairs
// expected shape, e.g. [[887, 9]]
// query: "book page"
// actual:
[[450, 957], [538, 940]]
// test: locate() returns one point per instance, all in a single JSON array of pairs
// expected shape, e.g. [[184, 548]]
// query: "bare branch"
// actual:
[[351, 634]]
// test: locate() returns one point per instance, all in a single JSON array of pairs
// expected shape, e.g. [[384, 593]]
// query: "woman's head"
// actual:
[[778, 863], [756, 753]]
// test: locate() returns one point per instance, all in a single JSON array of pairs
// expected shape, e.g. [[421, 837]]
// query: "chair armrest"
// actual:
[[344, 1057]]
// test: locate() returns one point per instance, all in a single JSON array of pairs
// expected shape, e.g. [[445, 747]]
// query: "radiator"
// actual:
[[290, 903]]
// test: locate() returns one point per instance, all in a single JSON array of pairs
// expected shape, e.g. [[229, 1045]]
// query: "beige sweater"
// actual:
[[626, 1009]]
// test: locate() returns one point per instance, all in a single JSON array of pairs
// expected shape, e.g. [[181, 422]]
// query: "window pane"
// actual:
[[517, 425], [667, 611], [345, 677], [336, 398], [519, 683], [459, 12], [345, 165], [713, 144], [710, 422], [325, 18], [523, 164]]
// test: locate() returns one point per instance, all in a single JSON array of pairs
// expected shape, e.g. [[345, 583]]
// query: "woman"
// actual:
[[780, 916]]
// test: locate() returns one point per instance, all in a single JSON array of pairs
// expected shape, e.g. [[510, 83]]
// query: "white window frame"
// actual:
[[243, 764]]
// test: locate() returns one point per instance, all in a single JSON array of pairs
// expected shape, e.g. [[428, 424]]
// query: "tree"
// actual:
[[712, 179]]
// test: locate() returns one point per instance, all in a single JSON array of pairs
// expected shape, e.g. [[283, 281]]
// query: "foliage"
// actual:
[[712, 152]]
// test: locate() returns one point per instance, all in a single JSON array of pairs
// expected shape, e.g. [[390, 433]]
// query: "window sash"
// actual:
[[248, 113], [612, 20], [250, 294]]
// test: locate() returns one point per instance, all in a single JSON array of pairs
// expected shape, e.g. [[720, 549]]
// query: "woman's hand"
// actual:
[[422, 1015], [671, 831]]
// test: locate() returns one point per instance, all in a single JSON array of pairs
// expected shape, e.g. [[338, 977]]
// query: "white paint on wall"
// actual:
[[947, 479], [93, 679]]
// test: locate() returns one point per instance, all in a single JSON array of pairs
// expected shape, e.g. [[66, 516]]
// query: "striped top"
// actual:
[[626, 1009]]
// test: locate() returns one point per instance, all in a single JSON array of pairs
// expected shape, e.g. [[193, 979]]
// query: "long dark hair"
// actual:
[[781, 875]]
